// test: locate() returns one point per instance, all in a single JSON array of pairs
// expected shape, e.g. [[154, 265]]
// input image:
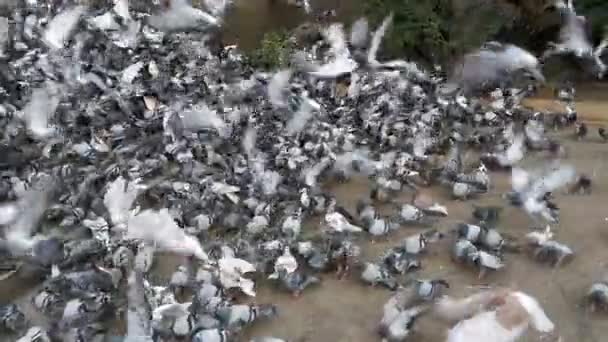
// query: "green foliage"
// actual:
[[436, 30], [596, 12], [274, 51]]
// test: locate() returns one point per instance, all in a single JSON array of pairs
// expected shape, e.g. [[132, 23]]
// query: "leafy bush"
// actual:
[[436, 30], [274, 51]]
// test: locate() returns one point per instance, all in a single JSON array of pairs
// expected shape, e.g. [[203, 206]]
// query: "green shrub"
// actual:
[[274, 51], [435, 31]]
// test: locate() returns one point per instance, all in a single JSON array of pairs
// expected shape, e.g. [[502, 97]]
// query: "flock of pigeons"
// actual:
[[125, 134]]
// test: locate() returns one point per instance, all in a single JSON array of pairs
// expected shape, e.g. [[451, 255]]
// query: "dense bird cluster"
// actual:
[[127, 133]]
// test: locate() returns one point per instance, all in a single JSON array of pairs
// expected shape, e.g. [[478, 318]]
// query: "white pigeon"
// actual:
[[575, 39], [201, 116], [337, 223], [159, 228], [538, 238], [138, 314], [378, 35], [341, 63], [359, 33], [119, 199], [217, 7], [231, 271], [285, 262], [39, 110], [495, 63], [230, 191], [302, 115], [514, 153], [131, 72], [531, 188], [181, 16], [61, 27], [9, 212], [277, 88], [30, 207], [513, 314], [173, 310]]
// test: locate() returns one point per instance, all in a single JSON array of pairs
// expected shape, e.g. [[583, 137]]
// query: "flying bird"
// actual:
[[575, 40], [179, 15], [495, 65]]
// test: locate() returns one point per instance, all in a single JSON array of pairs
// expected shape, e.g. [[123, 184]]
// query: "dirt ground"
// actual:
[[348, 311]]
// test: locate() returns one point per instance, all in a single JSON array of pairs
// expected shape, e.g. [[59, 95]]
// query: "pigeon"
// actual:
[[285, 262], [507, 322], [574, 39], [240, 315], [296, 282], [530, 190], [167, 235], [580, 130], [508, 158], [62, 26], [402, 324], [597, 296], [494, 64], [181, 16], [374, 274], [231, 271], [210, 335], [602, 133]]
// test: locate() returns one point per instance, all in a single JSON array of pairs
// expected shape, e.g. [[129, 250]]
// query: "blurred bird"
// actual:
[[495, 65]]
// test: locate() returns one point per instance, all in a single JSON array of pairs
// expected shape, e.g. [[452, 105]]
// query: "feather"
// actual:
[[490, 261], [311, 174], [8, 213], [138, 313], [377, 39], [33, 204], [335, 36], [301, 63], [453, 310], [201, 116], [248, 141], [159, 228], [181, 16], [493, 63], [335, 68], [217, 7], [38, 112], [515, 152], [173, 310], [359, 33], [131, 72], [520, 179], [553, 180], [483, 327], [540, 321], [121, 7], [119, 199], [277, 87], [231, 271], [60, 28], [285, 262], [300, 118]]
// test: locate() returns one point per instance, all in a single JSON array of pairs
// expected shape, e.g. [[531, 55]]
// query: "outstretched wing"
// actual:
[[552, 180], [377, 38], [539, 319]]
